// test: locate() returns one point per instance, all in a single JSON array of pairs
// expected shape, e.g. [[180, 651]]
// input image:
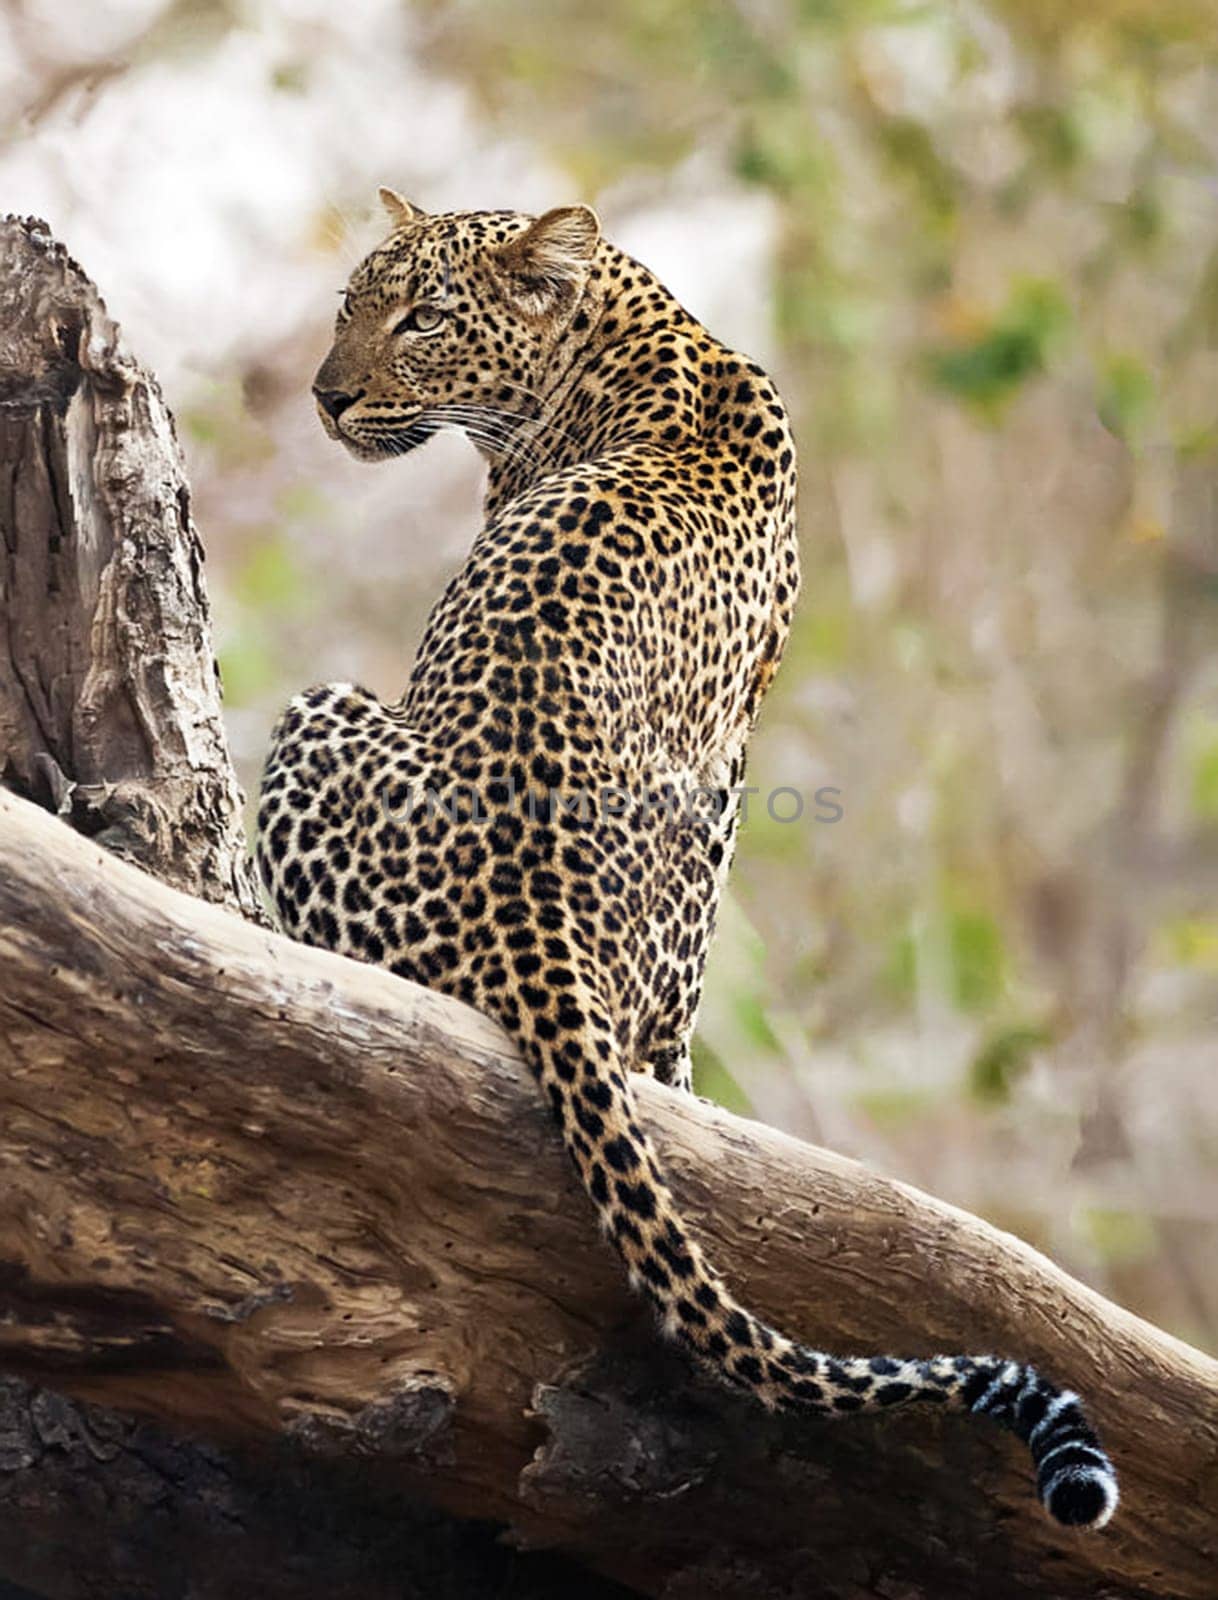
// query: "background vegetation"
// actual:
[[978, 243]]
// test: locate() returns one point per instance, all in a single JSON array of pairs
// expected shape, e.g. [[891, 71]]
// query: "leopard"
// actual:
[[542, 823]]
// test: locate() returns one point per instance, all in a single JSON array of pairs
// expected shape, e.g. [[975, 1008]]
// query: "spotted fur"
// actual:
[[615, 627]]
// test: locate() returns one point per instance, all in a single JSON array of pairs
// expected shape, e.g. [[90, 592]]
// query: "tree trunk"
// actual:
[[109, 693], [292, 1204]]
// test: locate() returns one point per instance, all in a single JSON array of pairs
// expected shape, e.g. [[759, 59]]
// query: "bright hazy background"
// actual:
[[978, 244]]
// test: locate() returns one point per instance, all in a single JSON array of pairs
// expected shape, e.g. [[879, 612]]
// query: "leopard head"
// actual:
[[451, 323]]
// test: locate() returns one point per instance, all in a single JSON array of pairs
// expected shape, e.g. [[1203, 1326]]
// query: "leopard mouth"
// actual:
[[414, 434], [382, 443]]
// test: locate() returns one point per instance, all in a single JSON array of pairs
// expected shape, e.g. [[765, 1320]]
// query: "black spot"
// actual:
[[593, 1125], [654, 1273], [620, 1154], [679, 1260], [636, 1197], [838, 1374], [738, 1330], [598, 1094], [623, 1228]]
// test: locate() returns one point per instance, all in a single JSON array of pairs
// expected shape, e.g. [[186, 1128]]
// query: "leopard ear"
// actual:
[[549, 260], [401, 213]]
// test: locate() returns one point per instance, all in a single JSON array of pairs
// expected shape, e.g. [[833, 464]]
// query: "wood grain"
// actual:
[[109, 692], [257, 1188]]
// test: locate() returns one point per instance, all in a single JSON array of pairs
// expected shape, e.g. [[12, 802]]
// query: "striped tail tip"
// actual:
[[1081, 1496], [1074, 1477], [1075, 1480]]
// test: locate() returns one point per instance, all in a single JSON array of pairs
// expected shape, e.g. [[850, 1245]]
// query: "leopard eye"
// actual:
[[422, 319]]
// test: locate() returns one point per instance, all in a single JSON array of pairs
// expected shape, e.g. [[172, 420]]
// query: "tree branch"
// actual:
[[254, 1186]]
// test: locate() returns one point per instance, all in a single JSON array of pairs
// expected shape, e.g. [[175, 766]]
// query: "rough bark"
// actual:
[[316, 1216], [256, 1188], [109, 695]]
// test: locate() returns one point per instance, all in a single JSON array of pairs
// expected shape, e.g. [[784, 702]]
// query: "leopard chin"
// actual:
[[389, 445]]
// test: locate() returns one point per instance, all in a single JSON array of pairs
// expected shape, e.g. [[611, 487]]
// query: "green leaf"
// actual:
[[247, 668], [1204, 785], [1055, 135], [897, 1107], [1193, 942], [754, 1024], [911, 150], [978, 959], [1120, 1236], [1003, 1059], [973, 961], [987, 370], [268, 579], [1126, 398], [714, 1080]]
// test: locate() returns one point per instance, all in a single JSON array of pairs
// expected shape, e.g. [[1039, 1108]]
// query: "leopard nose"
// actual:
[[334, 402]]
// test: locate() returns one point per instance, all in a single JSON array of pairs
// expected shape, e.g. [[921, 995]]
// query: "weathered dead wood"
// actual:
[[109, 696], [256, 1188]]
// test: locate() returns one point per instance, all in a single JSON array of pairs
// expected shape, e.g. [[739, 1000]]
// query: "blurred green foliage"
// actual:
[[1120, 1236], [268, 575], [1193, 942], [988, 369], [1126, 399], [266, 578], [958, 952], [713, 1079], [219, 422], [1003, 1059], [1204, 759], [900, 1107]]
